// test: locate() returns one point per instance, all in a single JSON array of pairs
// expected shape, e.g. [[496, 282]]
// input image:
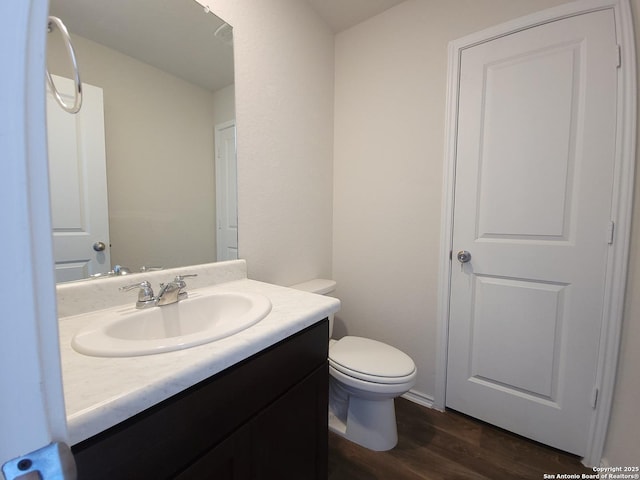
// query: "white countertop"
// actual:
[[101, 392]]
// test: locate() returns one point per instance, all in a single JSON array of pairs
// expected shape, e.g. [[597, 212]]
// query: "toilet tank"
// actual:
[[318, 286]]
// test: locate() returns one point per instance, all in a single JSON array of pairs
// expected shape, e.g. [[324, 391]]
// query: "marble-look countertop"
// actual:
[[101, 392]]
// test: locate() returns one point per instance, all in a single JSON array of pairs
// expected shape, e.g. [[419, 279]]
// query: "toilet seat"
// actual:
[[371, 361]]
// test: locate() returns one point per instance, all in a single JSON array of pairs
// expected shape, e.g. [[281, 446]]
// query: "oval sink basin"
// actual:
[[190, 322]]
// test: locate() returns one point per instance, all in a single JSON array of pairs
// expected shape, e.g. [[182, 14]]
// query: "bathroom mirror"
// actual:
[[166, 77]]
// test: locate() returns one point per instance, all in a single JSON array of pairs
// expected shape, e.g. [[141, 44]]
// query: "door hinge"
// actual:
[[594, 398], [618, 56], [610, 232], [53, 461]]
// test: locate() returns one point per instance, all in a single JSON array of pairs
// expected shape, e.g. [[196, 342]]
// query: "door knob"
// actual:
[[99, 246], [463, 256]]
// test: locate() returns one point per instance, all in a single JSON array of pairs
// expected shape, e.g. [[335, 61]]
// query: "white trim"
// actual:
[[32, 410], [419, 398], [621, 207], [621, 212]]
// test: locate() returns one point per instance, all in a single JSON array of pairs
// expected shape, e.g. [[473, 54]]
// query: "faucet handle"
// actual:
[[180, 283], [179, 278], [144, 268], [141, 285], [145, 294]]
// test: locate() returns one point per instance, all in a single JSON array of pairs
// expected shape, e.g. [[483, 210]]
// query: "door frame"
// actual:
[[220, 199], [622, 201]]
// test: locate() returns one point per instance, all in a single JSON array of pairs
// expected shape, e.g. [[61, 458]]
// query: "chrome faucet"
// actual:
[[146, 298], [171, 292], [118, 270]]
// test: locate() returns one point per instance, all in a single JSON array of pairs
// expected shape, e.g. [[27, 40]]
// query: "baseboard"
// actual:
[[419, 398]]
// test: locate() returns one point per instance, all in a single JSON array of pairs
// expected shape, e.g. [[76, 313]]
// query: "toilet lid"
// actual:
[[370, 360]]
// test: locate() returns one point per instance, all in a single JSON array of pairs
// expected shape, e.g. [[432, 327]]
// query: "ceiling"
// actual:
[[163, 32], [343, 14]]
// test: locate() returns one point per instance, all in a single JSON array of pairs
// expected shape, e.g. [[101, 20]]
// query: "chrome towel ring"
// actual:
[[77, 101]]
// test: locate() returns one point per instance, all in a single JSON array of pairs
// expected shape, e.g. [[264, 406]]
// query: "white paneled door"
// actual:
[[534, 177], [226, 192], [78, 183]]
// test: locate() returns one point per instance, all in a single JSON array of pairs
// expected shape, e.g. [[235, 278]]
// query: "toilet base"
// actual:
[[370, 423]]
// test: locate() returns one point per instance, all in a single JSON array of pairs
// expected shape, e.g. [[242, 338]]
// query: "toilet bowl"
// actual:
[[365, 377]]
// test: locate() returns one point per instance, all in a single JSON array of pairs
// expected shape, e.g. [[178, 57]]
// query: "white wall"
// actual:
[[284, 111], [388, 160]]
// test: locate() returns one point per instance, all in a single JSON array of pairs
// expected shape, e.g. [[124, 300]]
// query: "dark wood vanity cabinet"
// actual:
[[264, 418]]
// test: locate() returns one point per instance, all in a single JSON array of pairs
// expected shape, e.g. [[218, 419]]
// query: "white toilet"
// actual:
[[365, 377]]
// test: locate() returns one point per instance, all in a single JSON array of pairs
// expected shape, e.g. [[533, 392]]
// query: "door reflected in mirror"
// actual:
[[165, 78]]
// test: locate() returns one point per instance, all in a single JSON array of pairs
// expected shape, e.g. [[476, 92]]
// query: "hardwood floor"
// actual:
[[433, 445]]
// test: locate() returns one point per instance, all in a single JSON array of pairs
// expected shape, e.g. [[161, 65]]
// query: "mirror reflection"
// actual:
[[157, 128]]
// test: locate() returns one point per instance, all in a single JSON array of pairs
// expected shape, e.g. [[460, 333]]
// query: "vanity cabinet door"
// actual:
[[227, 461], [295, 449], [287, 441]]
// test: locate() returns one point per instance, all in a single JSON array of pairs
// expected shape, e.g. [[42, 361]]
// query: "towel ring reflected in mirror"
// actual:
[[77, 101]]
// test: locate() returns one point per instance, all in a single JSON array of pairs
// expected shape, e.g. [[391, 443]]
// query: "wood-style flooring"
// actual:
[[434, 445]]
